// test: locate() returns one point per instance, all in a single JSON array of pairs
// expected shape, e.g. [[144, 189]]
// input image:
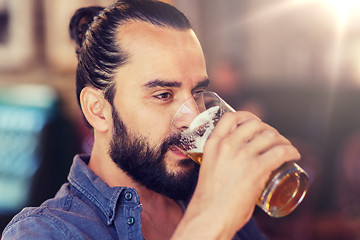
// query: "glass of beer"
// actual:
[[196, 119]]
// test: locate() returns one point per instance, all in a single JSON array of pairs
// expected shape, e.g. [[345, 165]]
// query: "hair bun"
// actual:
[[80, 22]]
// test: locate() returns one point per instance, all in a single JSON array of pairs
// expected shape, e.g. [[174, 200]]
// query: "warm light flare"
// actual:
[[343, 7]]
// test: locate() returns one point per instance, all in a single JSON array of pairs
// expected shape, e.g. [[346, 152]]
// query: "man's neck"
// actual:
[[160, 214]]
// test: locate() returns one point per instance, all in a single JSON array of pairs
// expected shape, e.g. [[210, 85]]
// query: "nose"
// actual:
[[185, 115]]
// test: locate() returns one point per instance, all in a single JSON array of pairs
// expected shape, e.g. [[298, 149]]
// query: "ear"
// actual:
[[95, 108]]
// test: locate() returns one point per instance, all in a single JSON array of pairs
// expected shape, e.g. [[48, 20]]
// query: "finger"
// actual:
[[265, 140], [277, 155], [229, 122], [220, 137], [248, 130], [243, 134]]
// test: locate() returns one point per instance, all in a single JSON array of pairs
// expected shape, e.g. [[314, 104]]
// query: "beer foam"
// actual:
[[194, 138]]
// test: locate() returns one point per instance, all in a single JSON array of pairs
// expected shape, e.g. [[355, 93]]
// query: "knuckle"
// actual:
[[279, 151], [286, 152], [269, 133], [244, 152], [226, 142], [226, 147], [257, 123]]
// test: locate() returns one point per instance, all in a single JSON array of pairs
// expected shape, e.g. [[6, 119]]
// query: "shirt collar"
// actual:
[[95, 189]]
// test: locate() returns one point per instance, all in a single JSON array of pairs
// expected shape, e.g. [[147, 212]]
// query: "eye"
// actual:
[[164, 96], [198, 91]]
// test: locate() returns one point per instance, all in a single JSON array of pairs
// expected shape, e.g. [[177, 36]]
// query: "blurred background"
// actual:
[[295, 63]]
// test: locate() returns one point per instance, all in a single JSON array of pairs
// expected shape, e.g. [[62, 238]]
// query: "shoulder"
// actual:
[[49, 221], [69, 215], [37, 223]]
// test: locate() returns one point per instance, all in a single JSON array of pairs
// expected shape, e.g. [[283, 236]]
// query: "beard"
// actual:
[[147, 166]]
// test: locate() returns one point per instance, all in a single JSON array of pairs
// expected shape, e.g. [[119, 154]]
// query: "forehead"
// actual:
[[160, 52], [137, 35]]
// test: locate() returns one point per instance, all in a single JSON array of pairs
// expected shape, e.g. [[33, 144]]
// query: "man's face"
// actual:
[[146, 165], [165, 67]]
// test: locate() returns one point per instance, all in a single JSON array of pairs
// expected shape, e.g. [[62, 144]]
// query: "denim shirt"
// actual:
[[87, 208]]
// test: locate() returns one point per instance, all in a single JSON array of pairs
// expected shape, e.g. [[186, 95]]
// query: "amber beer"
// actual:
[[195, 156], [282, 199], [284, 191]]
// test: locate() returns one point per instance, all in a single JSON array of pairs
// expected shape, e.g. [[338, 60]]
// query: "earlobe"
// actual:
[[94, 109]]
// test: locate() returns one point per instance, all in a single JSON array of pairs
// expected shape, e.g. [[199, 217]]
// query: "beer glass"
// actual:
[[196, 119]]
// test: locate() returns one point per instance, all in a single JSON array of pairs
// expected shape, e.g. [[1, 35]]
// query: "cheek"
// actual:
[[152, 123]]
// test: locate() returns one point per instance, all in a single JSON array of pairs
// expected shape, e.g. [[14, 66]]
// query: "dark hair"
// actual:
[[94, 30]]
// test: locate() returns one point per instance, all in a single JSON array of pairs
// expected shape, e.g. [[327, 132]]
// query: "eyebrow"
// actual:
[[161, 83], [204, 83]]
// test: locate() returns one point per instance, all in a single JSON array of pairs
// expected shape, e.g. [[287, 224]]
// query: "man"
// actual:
[[139, 60]]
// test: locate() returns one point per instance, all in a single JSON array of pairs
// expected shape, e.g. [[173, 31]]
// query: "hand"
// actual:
[[237, 162]]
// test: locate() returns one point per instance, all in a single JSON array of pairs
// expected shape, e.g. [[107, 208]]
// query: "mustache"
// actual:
[[172, 140], [176, 140]]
